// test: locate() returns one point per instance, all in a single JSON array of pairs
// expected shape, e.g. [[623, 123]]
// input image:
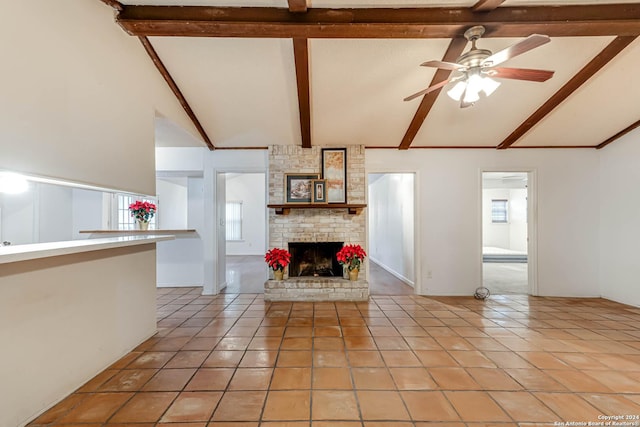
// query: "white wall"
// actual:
[[41, 214], [81, 113], [391, 224], [54, 213], [180, 161], [181, 262], [88, 212], [249, 188], [18, 222], [518, 220], [172, 203], [620, 220], [494, 234], [513, 234], [449, 195], [202, 167], [66, 318], [73, 111]]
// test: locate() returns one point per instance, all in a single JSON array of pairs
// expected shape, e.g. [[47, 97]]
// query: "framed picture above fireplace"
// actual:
[[299, 187], [319, 191], [334, 171]]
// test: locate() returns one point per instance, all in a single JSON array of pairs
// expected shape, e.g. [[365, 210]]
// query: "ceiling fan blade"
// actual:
[[427, 90], [520, 74], [531, 42], [444, 65]]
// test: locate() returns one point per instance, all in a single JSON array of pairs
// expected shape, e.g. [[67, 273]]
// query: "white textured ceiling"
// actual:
[[244, 90]]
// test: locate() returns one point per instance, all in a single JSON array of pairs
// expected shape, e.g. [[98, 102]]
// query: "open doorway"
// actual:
[[245, 232], [391, 207], [505, 232]]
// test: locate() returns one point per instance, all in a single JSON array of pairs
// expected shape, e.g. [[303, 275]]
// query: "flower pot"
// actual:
[[278, 274], [353, 274], [142, 225]]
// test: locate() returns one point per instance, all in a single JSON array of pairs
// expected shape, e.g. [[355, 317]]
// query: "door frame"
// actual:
[[532, 223], [221, 254], [417, 288]]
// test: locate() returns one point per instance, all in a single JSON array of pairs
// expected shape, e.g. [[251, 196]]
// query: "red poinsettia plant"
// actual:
[[277, 258], [142, 211], [351, 256]]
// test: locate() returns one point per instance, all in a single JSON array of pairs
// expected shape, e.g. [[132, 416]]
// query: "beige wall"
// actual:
[[79, 96], [64, 319]]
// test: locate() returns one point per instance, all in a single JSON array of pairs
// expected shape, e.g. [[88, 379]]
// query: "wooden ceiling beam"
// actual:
[[115, 4], [618, 135], [454, 50], [301, 57], [486, 5], [298, 6], [263, 22], [602, 59], [176, 90]]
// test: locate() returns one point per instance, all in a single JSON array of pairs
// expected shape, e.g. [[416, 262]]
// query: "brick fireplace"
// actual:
[[316, 225]]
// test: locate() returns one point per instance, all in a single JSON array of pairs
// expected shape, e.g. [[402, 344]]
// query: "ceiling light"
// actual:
[[489, 85], [471, 88], [471, 95], [456, 91]]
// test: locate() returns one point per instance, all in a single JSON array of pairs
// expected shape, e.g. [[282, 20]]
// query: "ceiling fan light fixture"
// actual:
[[457, 90], [474, 84], [489, 85], [471, 96], [476, 66]]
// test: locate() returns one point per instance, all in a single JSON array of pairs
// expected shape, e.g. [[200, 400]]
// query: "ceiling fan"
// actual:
[[477, 67]]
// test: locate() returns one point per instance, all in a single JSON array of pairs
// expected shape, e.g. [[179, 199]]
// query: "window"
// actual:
[[124, 218], [234, 221], [499, 212]]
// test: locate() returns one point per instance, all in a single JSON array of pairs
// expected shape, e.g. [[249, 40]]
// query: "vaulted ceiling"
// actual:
[[254, 73]]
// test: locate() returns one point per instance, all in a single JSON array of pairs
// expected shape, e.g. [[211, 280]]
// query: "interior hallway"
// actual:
[[394, 361], [505, 278]]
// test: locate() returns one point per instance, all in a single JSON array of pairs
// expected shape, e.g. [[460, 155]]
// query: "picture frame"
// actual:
[[334, 172], [319, 191], [298, 187]]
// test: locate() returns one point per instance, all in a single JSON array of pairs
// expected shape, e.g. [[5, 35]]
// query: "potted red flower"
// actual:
[[142, 212], [351, 256], [278, 259]]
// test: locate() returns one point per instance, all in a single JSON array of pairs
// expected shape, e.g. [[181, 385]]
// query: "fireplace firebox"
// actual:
[[315, 259]]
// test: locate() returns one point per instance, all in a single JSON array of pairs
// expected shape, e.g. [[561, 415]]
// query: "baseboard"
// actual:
[[393, 272], [178, 285]]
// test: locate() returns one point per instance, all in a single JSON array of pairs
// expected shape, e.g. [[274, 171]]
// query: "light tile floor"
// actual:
[[396, 361]]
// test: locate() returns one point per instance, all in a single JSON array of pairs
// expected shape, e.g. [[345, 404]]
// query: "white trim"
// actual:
[[16, 253]]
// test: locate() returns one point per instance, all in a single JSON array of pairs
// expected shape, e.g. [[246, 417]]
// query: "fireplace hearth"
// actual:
[[314, 274], [317, 259]]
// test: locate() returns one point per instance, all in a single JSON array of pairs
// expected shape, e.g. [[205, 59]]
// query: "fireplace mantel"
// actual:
[[352, 208], [316, 223]]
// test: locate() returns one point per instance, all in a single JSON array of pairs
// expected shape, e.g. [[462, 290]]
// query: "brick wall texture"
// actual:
[[315, 225]]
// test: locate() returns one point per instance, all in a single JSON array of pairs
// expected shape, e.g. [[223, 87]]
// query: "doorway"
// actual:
[[391, 207], [245, 232], [506, 214]]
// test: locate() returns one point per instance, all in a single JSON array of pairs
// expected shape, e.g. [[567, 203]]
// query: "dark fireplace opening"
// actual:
[[315, 259]]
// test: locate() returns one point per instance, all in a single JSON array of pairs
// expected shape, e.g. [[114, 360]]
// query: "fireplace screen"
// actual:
[[315, 259]]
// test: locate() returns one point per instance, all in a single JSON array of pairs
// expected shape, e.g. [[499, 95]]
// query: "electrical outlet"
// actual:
[[429, 274]]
